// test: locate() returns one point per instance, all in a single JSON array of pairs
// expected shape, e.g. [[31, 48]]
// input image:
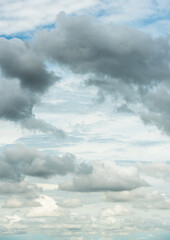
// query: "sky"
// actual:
[[84, 120]]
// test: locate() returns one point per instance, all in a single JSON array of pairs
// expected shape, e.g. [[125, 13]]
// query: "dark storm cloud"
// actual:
[[21, 161], [125, 63]]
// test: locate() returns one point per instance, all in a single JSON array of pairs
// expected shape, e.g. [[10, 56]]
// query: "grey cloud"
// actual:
[[23, 79], [18, 60], [20, 189], [125, 63], [21, 161], [15, 104], [119, 52], [84, 168], [34, 124], [157, 110], [105, 177], [128, 64]]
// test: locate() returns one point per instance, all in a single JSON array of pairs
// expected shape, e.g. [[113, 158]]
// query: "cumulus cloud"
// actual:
[[106, 176]]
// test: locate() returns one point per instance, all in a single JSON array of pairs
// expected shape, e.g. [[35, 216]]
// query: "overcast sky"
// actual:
[[84, 120]]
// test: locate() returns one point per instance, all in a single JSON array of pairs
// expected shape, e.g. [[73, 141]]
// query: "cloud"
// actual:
[[18, 203], [22, 189], [125, 63], [18, 60], [105, 50], [106, 176], [122, 62], [141, 198], [25, 15], [15, 104], [156, 170], [21, 161], [23, 79], [48, 208], [117, 210], [70, 203], [34, 124]]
